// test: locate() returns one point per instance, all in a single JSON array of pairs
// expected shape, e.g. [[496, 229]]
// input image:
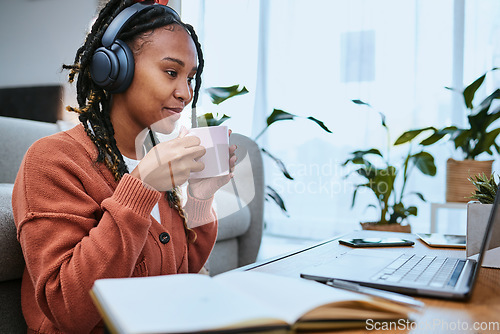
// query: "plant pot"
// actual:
[[386, 227], [477, 219], [458, 187]]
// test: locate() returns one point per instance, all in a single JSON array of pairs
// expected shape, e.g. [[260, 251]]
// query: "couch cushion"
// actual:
[[11, 256], [233, 215], [17, 137], [11, 316], [223, 257]]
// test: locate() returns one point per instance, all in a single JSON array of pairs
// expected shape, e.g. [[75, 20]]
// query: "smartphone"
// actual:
[[376, 242]]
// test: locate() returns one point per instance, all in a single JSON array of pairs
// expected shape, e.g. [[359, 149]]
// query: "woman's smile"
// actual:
[[172, 113]]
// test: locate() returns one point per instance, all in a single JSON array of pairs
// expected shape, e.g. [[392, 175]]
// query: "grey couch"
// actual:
[[239, 206]]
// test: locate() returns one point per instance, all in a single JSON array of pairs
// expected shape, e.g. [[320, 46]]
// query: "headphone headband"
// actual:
[[121, 20]]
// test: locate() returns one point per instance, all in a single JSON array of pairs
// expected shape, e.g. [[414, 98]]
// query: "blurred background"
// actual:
[[308, 58]]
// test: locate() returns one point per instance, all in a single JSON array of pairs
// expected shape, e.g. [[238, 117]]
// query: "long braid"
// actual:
[[95, 103], [201, 64]]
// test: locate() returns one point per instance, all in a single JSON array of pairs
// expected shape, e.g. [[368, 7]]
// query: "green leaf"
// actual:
[[382, 119], [487, 101], [483, 199], [221, 94], [462, 139], [381, 181], [412, 210], [382, 116], [354, 196], [399, 208], [419, 195], [367, 172], [358, 156], [279, 115], [470, 91], [497, 148], [485, 143], [320, 123], [361, 102], [424, 162], [280, 164], [271, 193], [400, 213], [411, 134], [210, 120], [436, 136]]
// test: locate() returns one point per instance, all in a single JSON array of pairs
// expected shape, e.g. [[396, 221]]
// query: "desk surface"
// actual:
[[481, 314]]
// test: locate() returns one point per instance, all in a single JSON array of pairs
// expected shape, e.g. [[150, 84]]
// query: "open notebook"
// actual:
[[233, 302]]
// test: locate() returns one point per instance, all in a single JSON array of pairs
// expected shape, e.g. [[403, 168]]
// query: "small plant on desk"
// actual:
[[486, 188]]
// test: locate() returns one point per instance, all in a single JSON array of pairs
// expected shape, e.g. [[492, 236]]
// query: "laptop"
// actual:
[[428, 276]]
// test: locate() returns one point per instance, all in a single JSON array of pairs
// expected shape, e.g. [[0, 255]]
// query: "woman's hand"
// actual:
[[170, 163], [206, 188]]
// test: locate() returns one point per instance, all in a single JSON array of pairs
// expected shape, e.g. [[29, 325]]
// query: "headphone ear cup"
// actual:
[[104, 67], [126, 65], [113, 69]]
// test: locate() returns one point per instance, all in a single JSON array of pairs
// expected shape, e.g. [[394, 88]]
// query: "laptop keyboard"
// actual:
[[422, 270]]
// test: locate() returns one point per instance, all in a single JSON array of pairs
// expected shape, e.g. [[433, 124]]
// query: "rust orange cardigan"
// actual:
[[77, 224]]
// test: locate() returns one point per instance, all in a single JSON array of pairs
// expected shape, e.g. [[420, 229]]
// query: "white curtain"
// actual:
[[311, 58]]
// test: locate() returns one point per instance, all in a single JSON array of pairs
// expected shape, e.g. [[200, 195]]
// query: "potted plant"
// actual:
[[485, 188], [478, 210], [388, 181], [472, 141], [221, 94]]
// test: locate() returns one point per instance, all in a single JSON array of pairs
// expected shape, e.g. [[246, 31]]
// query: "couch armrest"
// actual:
[[249, 181], [17, 136], [11, 256]]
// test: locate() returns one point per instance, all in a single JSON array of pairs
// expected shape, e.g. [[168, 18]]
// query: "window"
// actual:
[[357, 56], [312, 58]]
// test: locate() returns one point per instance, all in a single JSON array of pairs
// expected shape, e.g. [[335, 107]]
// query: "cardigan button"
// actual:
[[164, 238]]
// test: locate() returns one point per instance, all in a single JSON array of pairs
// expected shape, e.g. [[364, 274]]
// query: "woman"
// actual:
[[89, 203]]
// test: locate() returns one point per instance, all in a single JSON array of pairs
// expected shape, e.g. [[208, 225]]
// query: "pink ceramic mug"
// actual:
[[215, 139]]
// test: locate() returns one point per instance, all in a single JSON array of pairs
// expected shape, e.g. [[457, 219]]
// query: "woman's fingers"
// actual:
[[188, 141], [232, 152], [197, 166], [232, 163], [195, 152]]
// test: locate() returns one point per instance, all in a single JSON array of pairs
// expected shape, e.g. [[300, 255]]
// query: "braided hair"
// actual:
[[94, 103]]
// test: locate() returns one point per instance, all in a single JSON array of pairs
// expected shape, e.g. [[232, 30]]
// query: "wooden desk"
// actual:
[[438, 316]]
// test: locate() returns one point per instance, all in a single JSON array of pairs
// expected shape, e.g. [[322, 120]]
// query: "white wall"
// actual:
[[38, 36]]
